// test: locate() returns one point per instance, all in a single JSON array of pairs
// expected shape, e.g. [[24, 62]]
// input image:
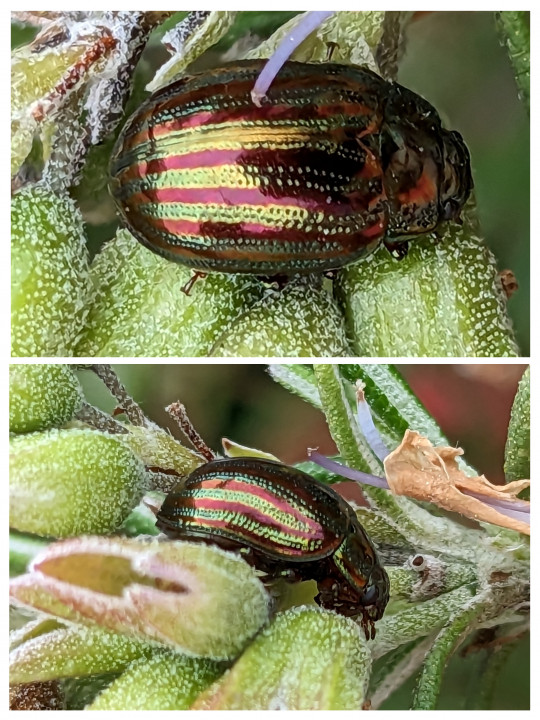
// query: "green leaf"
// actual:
[[517, 462], [429, 683], [353, 36], [214, 27], [394, 405], [298, 379], [419, 620], [515, 32], [351, 444]]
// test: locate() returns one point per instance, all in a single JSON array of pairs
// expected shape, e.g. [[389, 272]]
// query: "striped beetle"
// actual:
[[286, 524], [335, 161]]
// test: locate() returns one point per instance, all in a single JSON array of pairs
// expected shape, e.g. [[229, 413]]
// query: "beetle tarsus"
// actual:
[[197, 275]]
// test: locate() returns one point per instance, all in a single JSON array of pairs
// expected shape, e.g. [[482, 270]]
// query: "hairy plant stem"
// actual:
[[126, 403], [100, 420], [429, 683]]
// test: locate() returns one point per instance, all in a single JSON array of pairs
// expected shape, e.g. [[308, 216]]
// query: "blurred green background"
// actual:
[[471, 402], [455, 60]]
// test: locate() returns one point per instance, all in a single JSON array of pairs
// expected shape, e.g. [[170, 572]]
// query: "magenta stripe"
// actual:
[[201, 159], [235, 485], [266, 519], [234, 196]]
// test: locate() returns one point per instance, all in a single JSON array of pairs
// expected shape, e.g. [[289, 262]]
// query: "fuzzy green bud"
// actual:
[[50, 280], [166, 681], [69, 482], [199, 600], [42, 396], [308, 659], [301, 320], [143, 311], [444, 299]]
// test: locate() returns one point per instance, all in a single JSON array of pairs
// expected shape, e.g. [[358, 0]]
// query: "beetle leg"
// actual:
[[398, 250], [192, 280]]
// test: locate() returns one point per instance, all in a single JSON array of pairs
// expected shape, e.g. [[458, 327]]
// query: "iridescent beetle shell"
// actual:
[[334, 162], [286, 524]]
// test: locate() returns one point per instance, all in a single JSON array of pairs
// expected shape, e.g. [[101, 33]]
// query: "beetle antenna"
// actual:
[[178, 412]]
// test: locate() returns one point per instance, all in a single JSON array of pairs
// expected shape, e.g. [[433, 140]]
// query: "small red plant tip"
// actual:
[[308, 23]]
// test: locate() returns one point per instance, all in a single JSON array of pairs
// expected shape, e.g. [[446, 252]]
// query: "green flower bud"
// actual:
[[42, 396], [301, 320], [50, 279], [142, 310], [157, 448], [68, 482], [444, 298], [200, 600], [308, 659], [166, 681], [73, 652]]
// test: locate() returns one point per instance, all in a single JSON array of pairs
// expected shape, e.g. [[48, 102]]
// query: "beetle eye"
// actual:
[[450, 210], [370, 595]]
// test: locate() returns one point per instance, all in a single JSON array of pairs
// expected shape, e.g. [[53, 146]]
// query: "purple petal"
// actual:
[[367, 426], [297, 35], [347, 472], [517, 510]]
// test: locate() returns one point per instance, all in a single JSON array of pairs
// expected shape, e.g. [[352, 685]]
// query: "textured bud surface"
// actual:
[[308, 659], [42, 396], [72, 652], [444, 299], [301, 320], [166, 681], [200, 600], [140, 309], [70, 482], [50, 280]]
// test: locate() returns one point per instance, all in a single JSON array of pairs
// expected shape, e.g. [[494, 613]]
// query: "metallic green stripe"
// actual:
[[260, 504]]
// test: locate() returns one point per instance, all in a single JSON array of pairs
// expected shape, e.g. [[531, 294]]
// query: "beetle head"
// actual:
[[363, 585], [457, 180], [426, 169]]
